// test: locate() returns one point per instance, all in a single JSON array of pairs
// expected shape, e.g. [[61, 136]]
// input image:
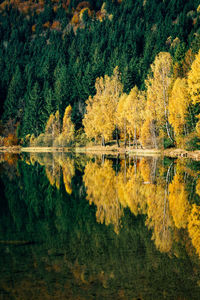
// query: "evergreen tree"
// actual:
[[13, 105]]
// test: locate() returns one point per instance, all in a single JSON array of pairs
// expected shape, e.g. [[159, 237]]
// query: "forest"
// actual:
[[75, 72]]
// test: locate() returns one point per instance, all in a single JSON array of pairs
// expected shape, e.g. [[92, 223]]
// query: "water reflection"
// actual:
[[137, 186], [97, 228], [147, 186]]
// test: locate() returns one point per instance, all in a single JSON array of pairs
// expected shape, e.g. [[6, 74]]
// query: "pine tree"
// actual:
[[12, 105]]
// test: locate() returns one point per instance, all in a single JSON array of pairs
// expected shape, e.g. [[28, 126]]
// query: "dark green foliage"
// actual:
[[193, 111], [34, 112], [168, 143], [67, 63], [193, 144], [13, 105]]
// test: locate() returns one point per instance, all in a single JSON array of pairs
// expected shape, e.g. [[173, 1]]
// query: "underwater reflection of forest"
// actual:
[[99, 228]]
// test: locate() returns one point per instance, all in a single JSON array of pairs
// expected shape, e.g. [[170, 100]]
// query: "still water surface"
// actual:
[[80, 227]]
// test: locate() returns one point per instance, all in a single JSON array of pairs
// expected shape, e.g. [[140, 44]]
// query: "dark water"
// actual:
[[99, 228]]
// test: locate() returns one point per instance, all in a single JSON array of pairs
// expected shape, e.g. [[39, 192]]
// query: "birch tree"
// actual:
[[158, 84]]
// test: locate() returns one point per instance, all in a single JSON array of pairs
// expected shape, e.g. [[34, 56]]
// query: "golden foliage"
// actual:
[[129, 113], [146, 134], [83, 10], [145, 170], [68, 126], [131, 190], [158, 85], [75, 19], [194, 80], [100, 182], [135, 105], [121, 115], [68, 173], [10, 140], [198, 187], [56, 25], [187, 62], [83, 5], [53, 124], [194, 227], [178, 201], [159, 218], [46, 25], [178, 105], [34, 27], [53, 174], [99, 120]]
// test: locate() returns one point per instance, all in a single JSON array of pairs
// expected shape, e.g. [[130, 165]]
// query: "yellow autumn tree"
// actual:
[[52, 129], [99, 120], [67, 134], [194, 80], [157, 85], [178, 106], [68, 126], [148, 134], [135, 105], [89, 121], [121, 116]]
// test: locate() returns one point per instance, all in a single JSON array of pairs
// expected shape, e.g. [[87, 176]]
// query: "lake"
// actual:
[[99, 227]]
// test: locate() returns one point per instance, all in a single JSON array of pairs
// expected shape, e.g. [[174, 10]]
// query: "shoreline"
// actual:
[[109, 150]]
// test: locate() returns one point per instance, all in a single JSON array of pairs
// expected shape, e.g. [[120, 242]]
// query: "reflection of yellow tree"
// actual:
[[53, 174], [194, 227], [131, 190], [53, 164], [52, 167], [158, 217], [68, 169], [178, 201], [145, 170], [100, 182]]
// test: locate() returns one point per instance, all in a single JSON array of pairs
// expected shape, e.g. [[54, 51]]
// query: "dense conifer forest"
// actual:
[[59, 58]]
